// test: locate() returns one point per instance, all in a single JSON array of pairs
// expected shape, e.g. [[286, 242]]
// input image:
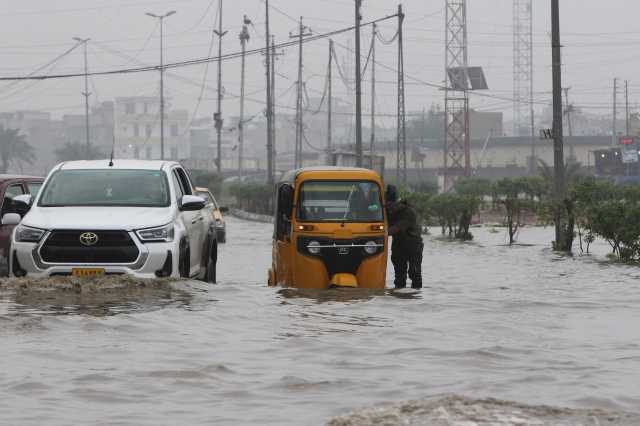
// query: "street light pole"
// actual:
[[161, 19], [244, 38], [86, 94]]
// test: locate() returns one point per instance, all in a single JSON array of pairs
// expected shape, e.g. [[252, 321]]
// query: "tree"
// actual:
[[562, 212], [14, 148], [510, 193], [73, 151]]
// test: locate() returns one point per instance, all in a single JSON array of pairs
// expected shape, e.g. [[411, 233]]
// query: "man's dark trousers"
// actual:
[[406, 257]]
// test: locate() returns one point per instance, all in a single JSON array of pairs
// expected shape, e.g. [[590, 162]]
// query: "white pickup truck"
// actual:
[[126, 217]]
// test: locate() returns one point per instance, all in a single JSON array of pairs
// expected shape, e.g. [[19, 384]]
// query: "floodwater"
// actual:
[[515, 323]]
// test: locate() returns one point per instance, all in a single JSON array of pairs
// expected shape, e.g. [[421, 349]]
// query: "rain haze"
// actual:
[[599, 44], [179, 248]]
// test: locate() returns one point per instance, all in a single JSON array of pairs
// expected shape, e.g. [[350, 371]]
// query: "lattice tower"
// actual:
[[457, 156]]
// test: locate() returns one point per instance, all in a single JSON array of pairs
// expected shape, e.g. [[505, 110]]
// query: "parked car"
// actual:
[[216, 212], [11, 187], [129, 217]]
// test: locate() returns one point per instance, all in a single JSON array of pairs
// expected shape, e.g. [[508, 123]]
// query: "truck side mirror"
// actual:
[[11, 219]]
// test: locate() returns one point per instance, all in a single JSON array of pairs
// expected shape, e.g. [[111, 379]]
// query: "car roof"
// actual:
[[4, 178], [117, 165]]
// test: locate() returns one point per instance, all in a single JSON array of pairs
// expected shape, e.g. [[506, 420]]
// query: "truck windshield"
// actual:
[[340, 201], [124, 188]]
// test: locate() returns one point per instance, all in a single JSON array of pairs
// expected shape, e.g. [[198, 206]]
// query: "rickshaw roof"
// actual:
[[330, 173]]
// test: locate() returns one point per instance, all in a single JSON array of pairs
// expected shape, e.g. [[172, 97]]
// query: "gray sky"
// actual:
[[600, 40]]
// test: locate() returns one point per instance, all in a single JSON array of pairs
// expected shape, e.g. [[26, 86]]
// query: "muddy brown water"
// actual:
[[517, 324]]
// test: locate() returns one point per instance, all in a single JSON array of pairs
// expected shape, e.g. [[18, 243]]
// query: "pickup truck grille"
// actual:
[[112, 247]]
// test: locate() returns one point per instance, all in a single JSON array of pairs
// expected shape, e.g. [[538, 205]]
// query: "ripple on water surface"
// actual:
[[520, 324]]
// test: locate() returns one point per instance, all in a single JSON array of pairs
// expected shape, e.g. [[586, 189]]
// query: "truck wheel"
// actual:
[[212, 265], [184, 263]]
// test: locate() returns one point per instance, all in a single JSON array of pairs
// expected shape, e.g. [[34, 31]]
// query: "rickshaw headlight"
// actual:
[[314, 247], [371, 247]]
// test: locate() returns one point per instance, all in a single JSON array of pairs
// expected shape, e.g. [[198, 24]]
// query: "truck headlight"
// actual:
[[25, 234], [314, 247], [161, 234], [371, 247]]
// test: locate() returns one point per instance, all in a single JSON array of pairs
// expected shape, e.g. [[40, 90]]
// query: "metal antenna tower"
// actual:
[[523, 115], [457, 156]]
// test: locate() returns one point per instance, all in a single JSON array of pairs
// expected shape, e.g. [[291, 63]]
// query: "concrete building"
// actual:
[[137, 129]]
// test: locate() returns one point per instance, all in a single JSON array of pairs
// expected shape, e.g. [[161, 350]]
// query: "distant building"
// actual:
[[137, 129]]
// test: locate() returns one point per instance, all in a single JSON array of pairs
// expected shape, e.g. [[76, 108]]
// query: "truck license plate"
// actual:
[[87, 272]]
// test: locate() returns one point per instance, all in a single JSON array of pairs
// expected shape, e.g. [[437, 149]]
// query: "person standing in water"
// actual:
[[407, 245]]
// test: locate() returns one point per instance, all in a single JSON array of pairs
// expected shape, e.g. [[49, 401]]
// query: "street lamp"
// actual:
[[161, 19], [86, 93]]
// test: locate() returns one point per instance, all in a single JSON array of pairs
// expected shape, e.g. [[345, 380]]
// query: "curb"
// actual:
[[253, 217]]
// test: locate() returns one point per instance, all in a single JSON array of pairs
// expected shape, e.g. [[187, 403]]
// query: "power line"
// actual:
[[192, 62]]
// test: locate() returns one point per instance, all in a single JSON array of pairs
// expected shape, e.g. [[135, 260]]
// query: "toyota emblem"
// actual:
[[89, 239]]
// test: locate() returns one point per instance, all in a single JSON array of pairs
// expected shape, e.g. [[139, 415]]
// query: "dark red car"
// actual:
[[10, 187]]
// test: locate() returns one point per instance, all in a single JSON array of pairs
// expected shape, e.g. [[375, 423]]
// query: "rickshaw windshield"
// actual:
[[340, 201]]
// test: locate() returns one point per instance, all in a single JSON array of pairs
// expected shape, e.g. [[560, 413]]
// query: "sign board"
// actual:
[[630, 155], [626, 140]]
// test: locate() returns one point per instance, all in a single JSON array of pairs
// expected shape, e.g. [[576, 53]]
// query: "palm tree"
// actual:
[[14, 148]]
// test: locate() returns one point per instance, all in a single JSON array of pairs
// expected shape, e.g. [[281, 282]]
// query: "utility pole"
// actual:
[[86, 94], [561, 243], [402, 131], [359, 162], [299, 116], [217, 117], [161, 18], [270, 158], [244, 38], [614, 131], [330, 106], [372, 146], [626, 106], [274, 58]]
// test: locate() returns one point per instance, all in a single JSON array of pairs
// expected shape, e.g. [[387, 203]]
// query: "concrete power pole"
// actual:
[[614, 129], [330, 106], [269, 114], [244, 38], [86, 95], [372, 144], [626, 107], [561, 244], [299, 113], [218, 115], [359, 159], [401, 171]]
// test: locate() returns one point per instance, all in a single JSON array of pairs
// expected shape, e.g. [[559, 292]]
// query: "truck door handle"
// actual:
[[196, 220]]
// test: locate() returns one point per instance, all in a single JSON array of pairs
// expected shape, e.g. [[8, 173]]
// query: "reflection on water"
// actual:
[[102, 296], [520, 324]]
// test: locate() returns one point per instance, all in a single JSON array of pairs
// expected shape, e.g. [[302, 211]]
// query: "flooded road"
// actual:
[[519, 324]]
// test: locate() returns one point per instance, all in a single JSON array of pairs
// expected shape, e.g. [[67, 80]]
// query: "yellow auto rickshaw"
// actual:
[[330, 229]]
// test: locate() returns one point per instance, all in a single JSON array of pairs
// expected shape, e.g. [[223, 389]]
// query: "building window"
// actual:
[[174, 130], [130, 108], [149, 156], [136, 153], [174, 153], [148, 130], [136, 130], [146, 108]]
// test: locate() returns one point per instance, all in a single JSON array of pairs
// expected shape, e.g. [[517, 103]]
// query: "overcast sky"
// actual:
[[601, 42]]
